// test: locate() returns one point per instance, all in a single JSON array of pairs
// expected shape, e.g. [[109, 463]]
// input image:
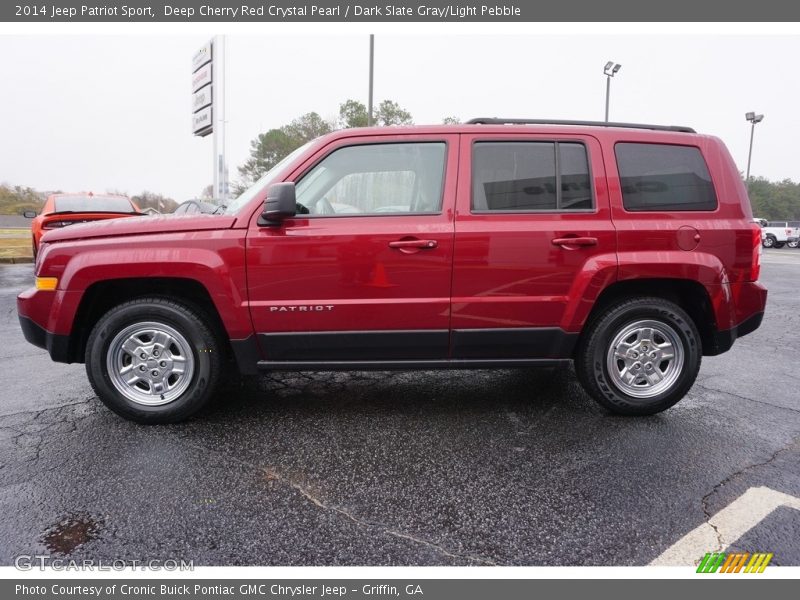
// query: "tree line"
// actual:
[[771, 200]]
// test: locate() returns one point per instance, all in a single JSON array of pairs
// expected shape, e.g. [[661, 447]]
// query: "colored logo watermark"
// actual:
[[739, 562]]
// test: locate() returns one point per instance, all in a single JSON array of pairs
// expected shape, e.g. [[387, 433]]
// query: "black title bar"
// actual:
[[198, 11]]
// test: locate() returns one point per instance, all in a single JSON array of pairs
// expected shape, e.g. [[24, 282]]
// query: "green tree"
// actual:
[[451, 121], [352, 113], [390, 113], [775, 200], [269, 148]]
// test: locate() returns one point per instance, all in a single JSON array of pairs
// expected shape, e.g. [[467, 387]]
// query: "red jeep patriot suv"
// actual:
[[628, 249]]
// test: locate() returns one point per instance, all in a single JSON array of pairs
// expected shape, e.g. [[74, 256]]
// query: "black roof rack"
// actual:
[[500, 121]]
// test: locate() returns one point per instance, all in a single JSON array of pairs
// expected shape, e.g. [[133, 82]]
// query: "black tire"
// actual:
[[201, 344], [591, 360], [768, 241], [793, 244]]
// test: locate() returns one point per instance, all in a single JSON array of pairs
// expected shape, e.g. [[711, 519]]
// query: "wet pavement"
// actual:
[[507, 467]]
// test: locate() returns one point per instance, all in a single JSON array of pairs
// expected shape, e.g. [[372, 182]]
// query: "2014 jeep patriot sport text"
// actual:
[[628, 249]]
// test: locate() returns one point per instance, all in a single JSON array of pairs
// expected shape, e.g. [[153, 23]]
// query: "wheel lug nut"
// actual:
[[163, 363], [155, 352], [154, 373], [143, 368], [143, 356]]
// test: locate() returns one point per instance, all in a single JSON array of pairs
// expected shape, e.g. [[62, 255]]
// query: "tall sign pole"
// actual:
[[208, 107]]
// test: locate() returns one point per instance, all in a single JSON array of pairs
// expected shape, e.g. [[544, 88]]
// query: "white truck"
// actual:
[[774, 234]]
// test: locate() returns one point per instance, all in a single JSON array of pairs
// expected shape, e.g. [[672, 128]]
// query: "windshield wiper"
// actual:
[[221, 207]]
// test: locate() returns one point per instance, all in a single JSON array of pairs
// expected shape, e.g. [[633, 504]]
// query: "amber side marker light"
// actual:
[[46, 283]]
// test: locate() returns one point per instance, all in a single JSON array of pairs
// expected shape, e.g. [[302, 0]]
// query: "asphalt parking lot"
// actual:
[[507, 467]]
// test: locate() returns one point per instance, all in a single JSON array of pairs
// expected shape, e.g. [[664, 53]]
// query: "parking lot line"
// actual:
[[727, 526]]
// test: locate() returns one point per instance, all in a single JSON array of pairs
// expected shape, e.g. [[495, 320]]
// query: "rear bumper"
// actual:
[[750, 299], [56, 345]]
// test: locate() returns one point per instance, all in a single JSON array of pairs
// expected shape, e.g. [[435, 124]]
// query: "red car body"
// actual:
[[84, 208], [499, 289]]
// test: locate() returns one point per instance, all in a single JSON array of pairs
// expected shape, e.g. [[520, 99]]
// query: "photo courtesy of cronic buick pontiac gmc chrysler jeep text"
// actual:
[[628, 249]]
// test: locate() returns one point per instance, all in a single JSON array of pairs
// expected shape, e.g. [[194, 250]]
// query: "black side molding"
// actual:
[[518, 342], [422, 344], [406, 365]]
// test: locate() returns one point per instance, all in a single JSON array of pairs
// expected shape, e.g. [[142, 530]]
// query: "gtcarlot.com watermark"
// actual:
[[30, 562]]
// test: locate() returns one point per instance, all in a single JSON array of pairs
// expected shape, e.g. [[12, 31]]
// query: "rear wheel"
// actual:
[[640, 356], [793, 244], [153, 360]]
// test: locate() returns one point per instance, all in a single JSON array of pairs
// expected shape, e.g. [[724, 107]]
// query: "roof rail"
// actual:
[[500, 121]]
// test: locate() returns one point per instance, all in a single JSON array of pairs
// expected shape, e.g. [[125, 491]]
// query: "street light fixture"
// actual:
[[753, 118], [610, 70]]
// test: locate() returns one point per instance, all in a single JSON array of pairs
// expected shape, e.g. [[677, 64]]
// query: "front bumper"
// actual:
[[56, 345], [45, 318]]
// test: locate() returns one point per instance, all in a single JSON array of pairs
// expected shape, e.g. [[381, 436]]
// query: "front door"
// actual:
[[362, 273]]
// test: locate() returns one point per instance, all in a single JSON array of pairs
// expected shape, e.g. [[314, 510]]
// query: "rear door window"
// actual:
[[530, 176], [663, 177]]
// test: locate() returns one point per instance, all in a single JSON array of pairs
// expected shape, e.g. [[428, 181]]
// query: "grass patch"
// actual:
[[15, 248]]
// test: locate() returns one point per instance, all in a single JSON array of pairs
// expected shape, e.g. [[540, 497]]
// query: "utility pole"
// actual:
[[371, 74]]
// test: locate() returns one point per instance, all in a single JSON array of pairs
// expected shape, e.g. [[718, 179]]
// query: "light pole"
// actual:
[[610, 70], [753, 118], [371, 71]]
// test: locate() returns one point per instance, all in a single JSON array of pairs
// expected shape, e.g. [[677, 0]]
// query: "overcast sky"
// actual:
[[113, 112]]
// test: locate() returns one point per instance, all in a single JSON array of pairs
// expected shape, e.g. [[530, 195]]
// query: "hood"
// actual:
[[139, 226]]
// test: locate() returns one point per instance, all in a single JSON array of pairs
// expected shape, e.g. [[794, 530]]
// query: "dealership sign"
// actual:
[[202, 90]]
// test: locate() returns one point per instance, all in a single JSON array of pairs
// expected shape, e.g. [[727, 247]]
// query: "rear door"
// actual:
[[362, 273], [533, 234]]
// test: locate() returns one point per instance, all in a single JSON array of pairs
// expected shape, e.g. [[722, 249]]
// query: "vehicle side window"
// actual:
[[662, 177], [375, 179], [530, 176]]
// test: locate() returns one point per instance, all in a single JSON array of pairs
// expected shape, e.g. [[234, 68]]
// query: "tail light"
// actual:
[[56, 224], [755, 265]]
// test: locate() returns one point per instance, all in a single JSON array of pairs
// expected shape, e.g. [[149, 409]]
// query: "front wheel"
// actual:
[[153, 360], [639, 356], [768, 241]]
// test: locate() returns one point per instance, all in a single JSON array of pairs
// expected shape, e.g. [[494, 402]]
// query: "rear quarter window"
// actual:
[[664, 177]]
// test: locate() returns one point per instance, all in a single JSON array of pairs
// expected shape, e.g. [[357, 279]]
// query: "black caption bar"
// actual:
[[189, 11], [355, 589]]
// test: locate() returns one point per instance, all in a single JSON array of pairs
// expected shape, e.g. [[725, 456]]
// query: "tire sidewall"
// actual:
[[203, 348], [618, 400]]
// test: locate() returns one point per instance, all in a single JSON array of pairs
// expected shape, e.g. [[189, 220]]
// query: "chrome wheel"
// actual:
[[645, 358], [150, 363]]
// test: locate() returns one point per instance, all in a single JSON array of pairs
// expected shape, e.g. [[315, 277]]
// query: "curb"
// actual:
[[16, 260]]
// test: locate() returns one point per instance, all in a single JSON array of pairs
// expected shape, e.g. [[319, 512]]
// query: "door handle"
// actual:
[[575, 241], [416, 244]]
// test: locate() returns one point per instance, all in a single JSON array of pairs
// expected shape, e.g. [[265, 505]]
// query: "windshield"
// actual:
[[235, 205], [92, 204]]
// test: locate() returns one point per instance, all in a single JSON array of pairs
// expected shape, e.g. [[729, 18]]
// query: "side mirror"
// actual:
[[280, 204], [29, 214]]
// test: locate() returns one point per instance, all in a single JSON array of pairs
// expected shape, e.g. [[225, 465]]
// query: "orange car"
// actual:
[[60, 210]]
